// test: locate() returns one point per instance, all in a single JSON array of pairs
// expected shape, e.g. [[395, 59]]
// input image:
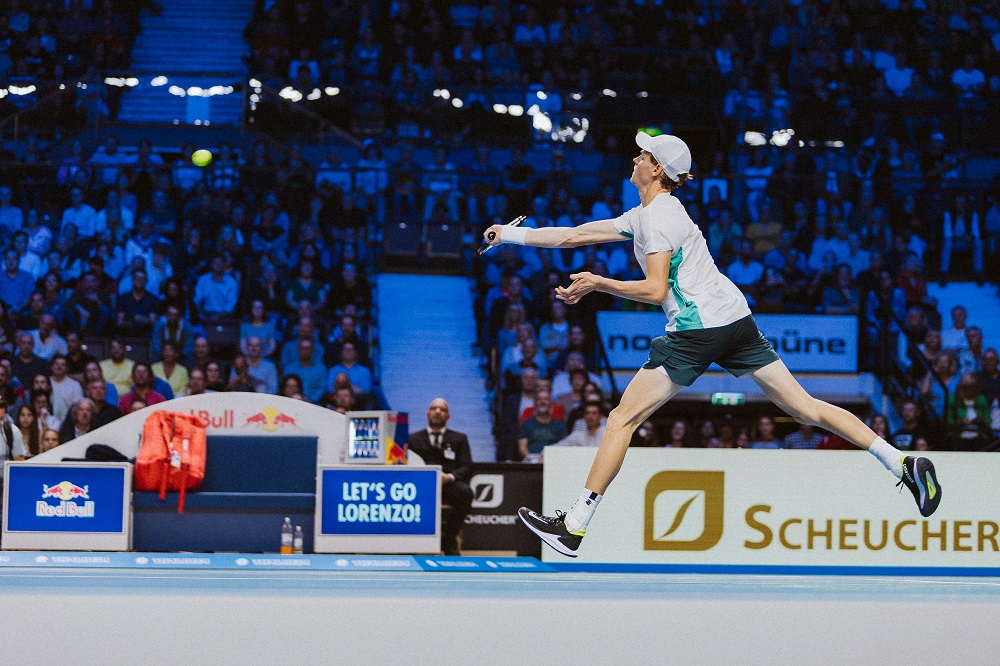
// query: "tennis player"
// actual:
[[708, 320]]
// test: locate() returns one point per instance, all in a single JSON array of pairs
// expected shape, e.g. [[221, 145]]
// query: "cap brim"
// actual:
[[644, 141]]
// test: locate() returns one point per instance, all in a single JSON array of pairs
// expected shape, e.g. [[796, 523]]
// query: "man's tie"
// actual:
[[437, 440]]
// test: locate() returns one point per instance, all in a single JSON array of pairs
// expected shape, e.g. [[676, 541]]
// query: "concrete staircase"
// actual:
[[427, 335], [193, 43]]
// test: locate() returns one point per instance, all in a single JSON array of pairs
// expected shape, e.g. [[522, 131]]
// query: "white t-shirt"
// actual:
[[700, 296], [64, 395]]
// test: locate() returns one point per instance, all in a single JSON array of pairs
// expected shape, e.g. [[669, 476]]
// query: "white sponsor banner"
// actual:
[[779, 508], [806, 343]]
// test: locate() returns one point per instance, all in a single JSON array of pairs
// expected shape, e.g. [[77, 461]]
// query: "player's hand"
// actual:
[[583, 284], [495, 229]]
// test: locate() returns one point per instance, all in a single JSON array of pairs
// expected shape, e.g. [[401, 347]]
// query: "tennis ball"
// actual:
[[202, 157]]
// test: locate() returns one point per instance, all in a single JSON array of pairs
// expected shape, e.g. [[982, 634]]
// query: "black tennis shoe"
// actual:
[[552, 531], [919, 477]]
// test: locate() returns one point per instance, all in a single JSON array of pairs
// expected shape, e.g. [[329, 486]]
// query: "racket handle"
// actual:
[[491, 236]]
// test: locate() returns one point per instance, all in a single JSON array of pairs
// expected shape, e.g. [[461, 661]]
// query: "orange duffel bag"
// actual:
[[171, 454]]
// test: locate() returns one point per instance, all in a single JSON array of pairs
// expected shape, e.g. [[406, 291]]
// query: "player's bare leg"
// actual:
[[645, 393], [916, 473], [781, 387]]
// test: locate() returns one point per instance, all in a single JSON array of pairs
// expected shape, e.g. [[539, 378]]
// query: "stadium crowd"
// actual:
[[251, 273]]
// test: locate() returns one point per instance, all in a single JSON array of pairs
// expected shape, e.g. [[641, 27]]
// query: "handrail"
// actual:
[[603, 357], [919, 357]]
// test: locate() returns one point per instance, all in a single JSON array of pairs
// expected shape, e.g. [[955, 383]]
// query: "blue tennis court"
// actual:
[[142, 616]]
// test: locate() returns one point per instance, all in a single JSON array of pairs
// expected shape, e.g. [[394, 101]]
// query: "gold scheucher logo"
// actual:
[[684, 510]]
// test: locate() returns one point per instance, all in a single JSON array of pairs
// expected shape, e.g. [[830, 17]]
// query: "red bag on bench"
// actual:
[[171, 455]]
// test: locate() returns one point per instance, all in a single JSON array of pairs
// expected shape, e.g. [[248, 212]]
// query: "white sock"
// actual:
[[888, 455], [579, 516]]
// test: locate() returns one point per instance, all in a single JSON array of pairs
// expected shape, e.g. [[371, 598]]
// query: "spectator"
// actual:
[[765, 233], [645, 436], [43, 407], [197, 383], [879, 425], [138, 309], [80, 215], [440, 182], [361, 376], [844, 298], [941, 381], [747, 272], [678, 435], [554, 333], [109, 161], [175, 328], [31, 435], [170, 369], [11, 441], [970, 359], [590, 436], [47, 340], [261, 371], [310, 370], [306, 287], [11, 218], [16, 285], [961, 233], [956, 338], [80, 421], [216, 293], [65, 390], [968, 79], [540, 429], [437, 445], [117, 369], [968, 416], [343, 400], [803, 438], [142, 388], [989, 376], [706, 435], [291, 387], [104, 412], [26, 365], [765, 435], [904, 438], [259, 323], [93, 373]]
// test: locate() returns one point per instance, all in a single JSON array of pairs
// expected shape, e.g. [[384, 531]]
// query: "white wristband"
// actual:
[[515, 235]]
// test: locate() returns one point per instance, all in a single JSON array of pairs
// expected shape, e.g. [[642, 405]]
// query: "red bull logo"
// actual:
[[395, 454], [271, 419], [66, 492]]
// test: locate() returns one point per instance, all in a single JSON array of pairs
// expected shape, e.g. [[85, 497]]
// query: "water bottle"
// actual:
[[286, 537], [297, 540]]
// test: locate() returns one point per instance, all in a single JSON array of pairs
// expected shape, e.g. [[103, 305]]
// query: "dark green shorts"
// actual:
[[739, 347]]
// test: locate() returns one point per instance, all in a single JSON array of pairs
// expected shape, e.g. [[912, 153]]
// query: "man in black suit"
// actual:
[[439, 446]]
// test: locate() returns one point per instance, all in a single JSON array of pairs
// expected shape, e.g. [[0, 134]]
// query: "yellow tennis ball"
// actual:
[[202, 157]]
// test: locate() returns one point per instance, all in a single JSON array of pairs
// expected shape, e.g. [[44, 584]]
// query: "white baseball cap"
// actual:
[[669, 151]]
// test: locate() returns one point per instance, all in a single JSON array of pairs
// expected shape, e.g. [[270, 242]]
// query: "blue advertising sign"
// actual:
[[64, 498], [384, 502]]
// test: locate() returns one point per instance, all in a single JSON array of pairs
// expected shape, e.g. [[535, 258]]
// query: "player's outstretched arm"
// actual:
[[653, 289], [601, 231]]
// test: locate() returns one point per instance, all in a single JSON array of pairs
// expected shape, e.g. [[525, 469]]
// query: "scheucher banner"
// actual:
[[779, 508]]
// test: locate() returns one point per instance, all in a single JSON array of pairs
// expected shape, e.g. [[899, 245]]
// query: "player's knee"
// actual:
[[620, 419]]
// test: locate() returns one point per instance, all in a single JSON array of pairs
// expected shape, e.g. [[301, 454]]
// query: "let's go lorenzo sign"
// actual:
[[806, 343]]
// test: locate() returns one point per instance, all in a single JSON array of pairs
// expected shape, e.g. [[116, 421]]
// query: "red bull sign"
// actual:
[[66, 493], [67, 506], [270, 419]]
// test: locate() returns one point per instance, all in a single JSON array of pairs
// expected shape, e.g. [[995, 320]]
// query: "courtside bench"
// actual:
[[251, 483]]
